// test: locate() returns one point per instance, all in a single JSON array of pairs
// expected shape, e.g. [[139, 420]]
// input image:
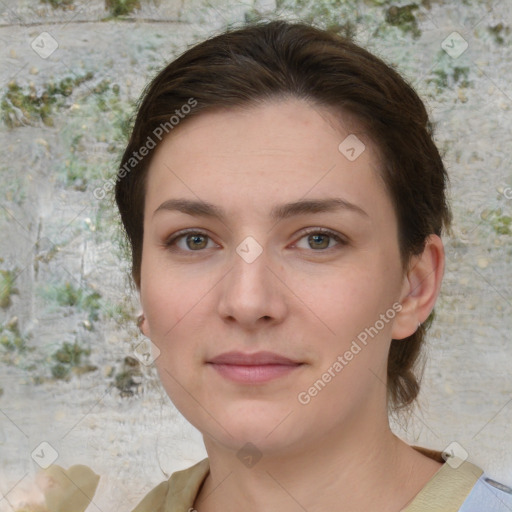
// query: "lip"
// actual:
[[258, 367], [255, 359]]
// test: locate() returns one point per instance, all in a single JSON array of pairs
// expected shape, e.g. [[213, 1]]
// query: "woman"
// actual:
[[284, 202]]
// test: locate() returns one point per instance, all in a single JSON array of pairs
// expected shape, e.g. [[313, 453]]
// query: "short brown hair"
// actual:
[[279, 59]]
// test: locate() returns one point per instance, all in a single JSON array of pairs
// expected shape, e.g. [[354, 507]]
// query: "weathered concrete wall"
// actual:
[[54, 230]]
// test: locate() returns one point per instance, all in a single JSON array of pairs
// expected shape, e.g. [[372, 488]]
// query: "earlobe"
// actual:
[[142, 324], [421, 287]]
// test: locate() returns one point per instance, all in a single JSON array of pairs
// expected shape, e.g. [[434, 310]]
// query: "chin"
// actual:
[[268, 430]]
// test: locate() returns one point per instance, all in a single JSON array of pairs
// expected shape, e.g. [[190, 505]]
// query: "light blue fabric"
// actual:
[[488, 495]]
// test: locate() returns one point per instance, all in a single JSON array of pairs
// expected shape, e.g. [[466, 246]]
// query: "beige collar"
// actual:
[[446, 490]]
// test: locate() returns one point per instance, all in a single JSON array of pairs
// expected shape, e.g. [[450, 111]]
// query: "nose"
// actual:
[[253, 292]]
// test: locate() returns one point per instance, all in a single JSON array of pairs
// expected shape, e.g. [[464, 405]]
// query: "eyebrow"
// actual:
[[279, 212]]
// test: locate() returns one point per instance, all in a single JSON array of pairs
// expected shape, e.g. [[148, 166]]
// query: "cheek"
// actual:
[[351, 307], [169, 314], [351, 298], [174, 310], [165, 295], [167, 308]]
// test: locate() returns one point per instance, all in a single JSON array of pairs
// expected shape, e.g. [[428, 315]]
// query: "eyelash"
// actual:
[[171, 242]]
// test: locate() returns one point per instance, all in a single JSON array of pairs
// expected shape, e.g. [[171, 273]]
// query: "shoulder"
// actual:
[[461, 486], [177, 493], [154, 500], [489, 495]]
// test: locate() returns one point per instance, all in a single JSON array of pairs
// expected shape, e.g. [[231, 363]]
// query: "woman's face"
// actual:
[[254, 280]]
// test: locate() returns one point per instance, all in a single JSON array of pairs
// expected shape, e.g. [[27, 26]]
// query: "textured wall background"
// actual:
[[71, 72]]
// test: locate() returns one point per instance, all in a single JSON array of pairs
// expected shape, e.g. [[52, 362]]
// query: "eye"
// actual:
[[320, 238], [193, 241]]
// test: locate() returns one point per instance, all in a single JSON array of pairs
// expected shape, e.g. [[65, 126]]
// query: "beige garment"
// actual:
[[444, 492], [64, 490]]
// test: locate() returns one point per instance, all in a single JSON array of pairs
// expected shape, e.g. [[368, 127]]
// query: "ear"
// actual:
[[420, 288], [142, 324]]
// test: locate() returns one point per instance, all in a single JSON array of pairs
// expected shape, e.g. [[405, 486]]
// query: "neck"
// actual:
[[362, 467]]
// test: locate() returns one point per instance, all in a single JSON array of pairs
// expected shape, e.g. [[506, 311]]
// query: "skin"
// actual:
[[297, 298]]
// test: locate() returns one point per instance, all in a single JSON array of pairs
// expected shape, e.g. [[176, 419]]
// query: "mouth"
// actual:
[[254, 368]]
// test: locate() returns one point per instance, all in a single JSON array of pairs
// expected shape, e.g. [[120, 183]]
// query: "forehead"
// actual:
[[254, 156]]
